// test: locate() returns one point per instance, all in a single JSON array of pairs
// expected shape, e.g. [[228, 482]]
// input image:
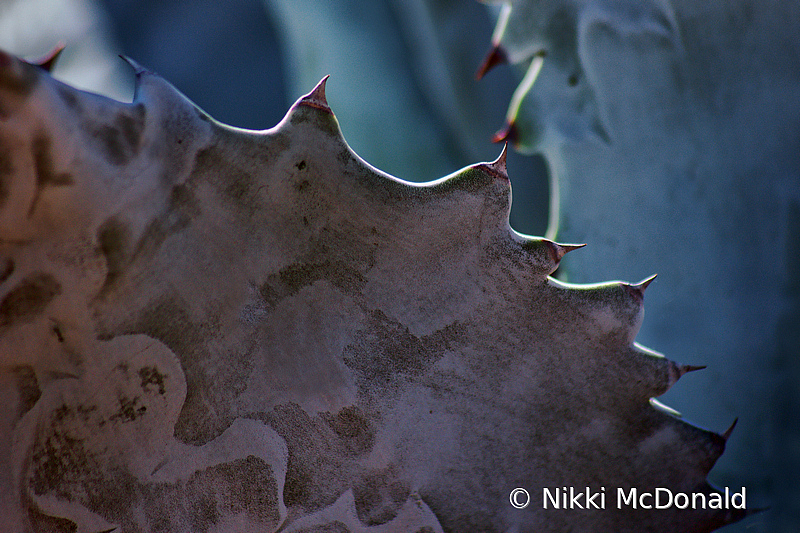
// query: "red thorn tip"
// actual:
[[495, 57], [508, 133], [316, 98], [729, 431], [48, 61]]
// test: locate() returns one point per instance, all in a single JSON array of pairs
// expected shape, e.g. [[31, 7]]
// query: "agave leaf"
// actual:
[[204, 327]]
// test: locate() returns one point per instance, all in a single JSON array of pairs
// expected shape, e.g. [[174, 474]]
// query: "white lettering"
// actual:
[[546, 495], [684, 497], [741, 496], [574, 499], [590, 500], [622, 500], [641, 500], [668, 494], [715, 501], [702, 497]]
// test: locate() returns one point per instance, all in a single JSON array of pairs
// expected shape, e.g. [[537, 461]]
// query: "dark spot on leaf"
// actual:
[[19, 83], [27, 388], [301, 165], [166, 318], [129, 410], [6, 173], [151, 377], [235, 183], [113, 148], [318, 469], [68, 96], [291, 279], [42, 523], [113, 238], [28, 299], [59, 460], [330, 527], [46, 176], [378, 496], [242, 488], [572, 81], [357, 434], [6, 269], [181, 209], [387, 351], [57, 332], [202, 115], [121, 141], [132, 125]]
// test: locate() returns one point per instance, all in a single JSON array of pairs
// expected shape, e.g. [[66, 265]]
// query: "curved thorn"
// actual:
[[316, 98], [496, 56], [685, 369], [642, 285], [637, 290], [570, 247], [496, 168], [499, 164], [727, 434], [558, 251], [137, 68], [48, 61], [508, 133]]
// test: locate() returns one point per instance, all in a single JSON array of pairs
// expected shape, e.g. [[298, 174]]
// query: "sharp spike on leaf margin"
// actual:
[[558, 250], [570, 247], [496, 56], [316, 98], [637, 290], [496, 168], [728, 432], [499, 164], [642, 285], [685, 369], [137, 68]]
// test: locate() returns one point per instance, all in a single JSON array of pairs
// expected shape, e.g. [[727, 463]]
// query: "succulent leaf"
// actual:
[[251, 330]]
